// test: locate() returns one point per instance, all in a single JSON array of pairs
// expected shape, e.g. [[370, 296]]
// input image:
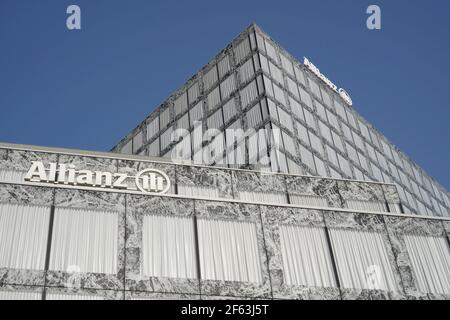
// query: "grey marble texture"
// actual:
[[326, 188], [236, 212], [446, 225], [404, 225], [131, 168], [103, 294], [26, 195], [137, 295], [219, 179], [90, 200], [355, 221], [90, 163], [204, 297], [390, 193], [354, 294], [273, 215], [258, 182], [316, 293], [363, 191], [432, 296], [21, 277], [137, 207], [4, 158], [20, 288], [21, 160]]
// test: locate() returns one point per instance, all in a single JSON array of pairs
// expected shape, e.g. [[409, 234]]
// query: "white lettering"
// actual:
[[85, 177], [37, 169], [103, 179], [119, 182], [148, 180], [327, 81]]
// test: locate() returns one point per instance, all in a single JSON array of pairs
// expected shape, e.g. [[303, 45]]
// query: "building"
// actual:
[[256, 180], [91, 225], [302, 124]]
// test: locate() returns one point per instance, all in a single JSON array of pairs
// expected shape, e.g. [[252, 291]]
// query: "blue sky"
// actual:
[[87, 89]]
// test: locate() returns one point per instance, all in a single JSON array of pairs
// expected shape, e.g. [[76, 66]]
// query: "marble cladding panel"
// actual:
[[4, 159], [38, 290], [89, 163], [362, 191], [397, 227], [137, 207], [316, 293], [218, 179], [406, 225], [236, 212], [390, 193], [355, 221], [438, 296], [363, 294], [273, 217], [90, 200], [18, 160], [258, 182], [79, 293], [131, 168], [137, 295], [26, 195], [21, 277], [204, 297], [446, 225], [326, 188]]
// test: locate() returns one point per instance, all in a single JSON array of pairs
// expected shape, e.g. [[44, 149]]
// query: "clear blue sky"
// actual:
[[87, 89]]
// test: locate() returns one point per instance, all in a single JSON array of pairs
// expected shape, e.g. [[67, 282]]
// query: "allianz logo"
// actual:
[[344, 94], [146, 181]]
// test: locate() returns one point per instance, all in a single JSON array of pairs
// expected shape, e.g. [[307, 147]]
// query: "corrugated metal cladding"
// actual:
[[152, 128], [215, 121], [210, 78], [180, 104], [249, 93], [227, 86], [229, 110], [242, 50]]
